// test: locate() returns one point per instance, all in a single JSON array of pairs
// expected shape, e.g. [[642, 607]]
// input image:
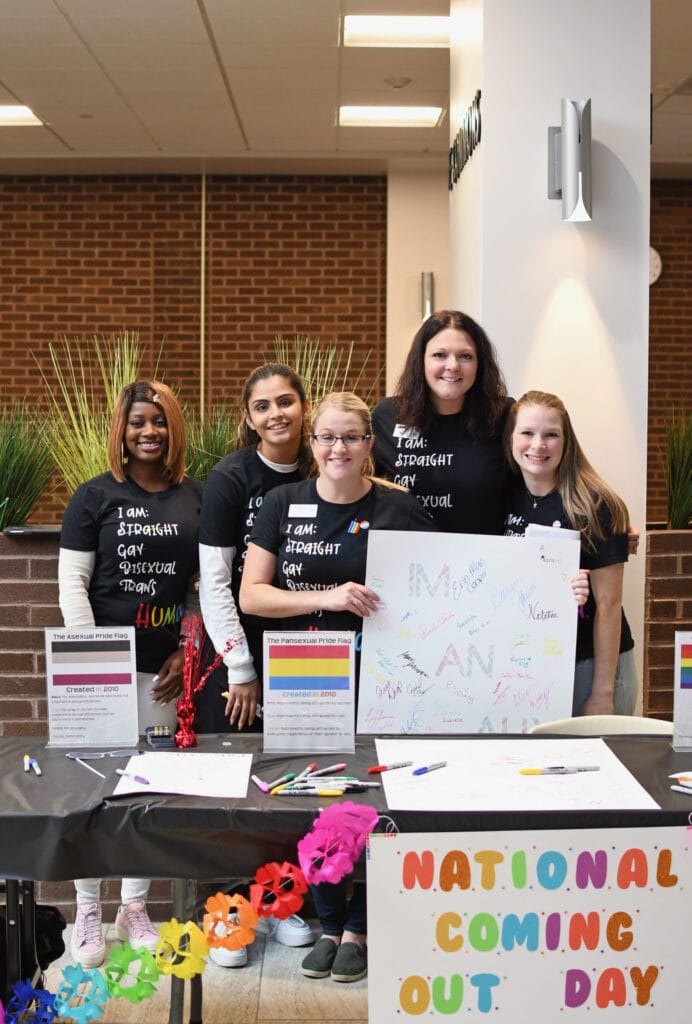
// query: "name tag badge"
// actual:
[[302, 511], [401, 431]]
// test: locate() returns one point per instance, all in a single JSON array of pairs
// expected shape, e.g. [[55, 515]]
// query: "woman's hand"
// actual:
[[580, 586], [350, 597], [169, 681], [241, 706], [632, 540], [598, 705]]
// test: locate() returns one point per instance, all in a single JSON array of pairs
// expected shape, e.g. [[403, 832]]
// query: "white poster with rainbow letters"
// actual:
[[519, 927]]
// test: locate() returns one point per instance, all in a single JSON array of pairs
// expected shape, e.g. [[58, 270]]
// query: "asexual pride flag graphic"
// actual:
[[91, 662], [686, 667], [309, 667]]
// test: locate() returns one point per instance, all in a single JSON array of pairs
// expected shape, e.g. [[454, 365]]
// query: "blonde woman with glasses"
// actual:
[[305, 569]]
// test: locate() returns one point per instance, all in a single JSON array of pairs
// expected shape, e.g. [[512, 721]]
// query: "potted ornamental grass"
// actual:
[[678, 469], [26, 463]]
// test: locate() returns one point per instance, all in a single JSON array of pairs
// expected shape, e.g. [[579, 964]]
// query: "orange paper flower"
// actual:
[[230, 921]]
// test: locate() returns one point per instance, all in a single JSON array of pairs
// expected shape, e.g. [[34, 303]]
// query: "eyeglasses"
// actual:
[[89, 755], [350, 440]]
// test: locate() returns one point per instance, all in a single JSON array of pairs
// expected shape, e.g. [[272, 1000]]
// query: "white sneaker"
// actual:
[[86, 945], [228, 957], [293, 931], [133, 925]]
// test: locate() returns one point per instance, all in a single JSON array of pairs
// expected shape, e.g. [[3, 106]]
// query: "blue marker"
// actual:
[[429, 768]]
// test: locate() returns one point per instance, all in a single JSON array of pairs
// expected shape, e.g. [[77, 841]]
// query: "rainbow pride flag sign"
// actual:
[[309, 691], [682, 692]]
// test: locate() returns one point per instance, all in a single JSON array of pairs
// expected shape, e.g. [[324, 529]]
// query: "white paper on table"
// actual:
[[187, 773], [485, 775]]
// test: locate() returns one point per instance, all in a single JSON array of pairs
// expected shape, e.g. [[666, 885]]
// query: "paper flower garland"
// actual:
[[194, 636], [278, 890], [25, 1001], [330, 849], [181, 949], [230, 921], [125, 984], [82, 995]]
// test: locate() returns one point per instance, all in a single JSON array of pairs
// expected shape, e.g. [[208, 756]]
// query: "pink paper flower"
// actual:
[[330, 849]]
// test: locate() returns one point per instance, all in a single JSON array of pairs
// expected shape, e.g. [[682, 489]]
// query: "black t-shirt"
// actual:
[[320, 544], [458, 479], [612, 550], [146, 555], [233, 494]]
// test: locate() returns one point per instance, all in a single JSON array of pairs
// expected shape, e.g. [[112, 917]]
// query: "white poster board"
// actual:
[[309, 691], [578, 925], [682, 692], [476, 634], [91, 677]]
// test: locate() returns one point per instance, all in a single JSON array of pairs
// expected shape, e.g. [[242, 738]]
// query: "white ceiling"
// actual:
[[250, 85]]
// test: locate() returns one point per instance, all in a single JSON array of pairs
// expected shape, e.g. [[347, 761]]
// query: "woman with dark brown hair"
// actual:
[[440, 435]]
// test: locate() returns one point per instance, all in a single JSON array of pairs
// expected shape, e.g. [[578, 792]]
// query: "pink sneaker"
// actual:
[[132, 925], [86, 945]]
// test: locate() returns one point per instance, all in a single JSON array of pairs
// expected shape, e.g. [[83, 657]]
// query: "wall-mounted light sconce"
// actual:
[[427, 293], [569, 160]]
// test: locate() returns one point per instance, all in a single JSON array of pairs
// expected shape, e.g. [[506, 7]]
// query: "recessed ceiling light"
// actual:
[[389, 117], [383, 30], [17, 116]]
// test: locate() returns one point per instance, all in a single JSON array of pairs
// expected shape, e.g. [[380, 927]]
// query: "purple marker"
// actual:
[[135, 778]]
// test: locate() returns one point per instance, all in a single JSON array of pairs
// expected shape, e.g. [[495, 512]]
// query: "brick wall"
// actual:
[[668, 607], [284, 256], [670, 326]]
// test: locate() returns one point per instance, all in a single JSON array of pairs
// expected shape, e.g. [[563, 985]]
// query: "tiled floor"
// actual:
[[270, 990]]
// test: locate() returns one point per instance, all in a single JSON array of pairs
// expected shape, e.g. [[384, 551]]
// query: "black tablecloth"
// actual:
[[65, 824]]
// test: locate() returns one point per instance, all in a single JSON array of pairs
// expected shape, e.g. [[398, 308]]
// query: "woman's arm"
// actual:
[[259, 596], [222, 623], [606, 585], [75, 569]]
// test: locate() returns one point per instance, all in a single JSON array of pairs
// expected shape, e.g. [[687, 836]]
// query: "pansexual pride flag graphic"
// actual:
[[90, 662], [308, 667], [686, 667]]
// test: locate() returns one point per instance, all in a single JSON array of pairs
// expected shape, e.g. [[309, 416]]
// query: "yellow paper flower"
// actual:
[[181, 950]]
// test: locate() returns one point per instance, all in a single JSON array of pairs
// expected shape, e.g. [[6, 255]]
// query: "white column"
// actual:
[[417, 242], [566, 304]]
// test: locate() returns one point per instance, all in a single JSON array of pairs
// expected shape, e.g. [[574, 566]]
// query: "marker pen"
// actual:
[[135, 778], [264, 786], [328, 770], [35, 765], [429, 768], [388, 767], [288, 777], [306, 771], [308, 792]]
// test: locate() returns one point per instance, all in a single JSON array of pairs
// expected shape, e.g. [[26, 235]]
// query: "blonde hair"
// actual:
[[160, 395], [346, 401], [582, 490]]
